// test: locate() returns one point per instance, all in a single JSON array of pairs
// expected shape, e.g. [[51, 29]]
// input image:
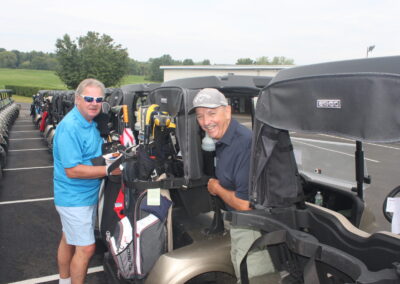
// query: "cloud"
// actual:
[[308, 31]]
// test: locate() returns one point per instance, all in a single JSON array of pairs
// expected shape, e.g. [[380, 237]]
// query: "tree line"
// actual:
[[98, 56], [27, 60]]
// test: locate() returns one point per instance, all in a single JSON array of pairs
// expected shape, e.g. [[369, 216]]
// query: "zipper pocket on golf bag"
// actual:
[[135, 249]]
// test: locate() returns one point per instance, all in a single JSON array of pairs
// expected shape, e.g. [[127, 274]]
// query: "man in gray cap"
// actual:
[[233, 148]]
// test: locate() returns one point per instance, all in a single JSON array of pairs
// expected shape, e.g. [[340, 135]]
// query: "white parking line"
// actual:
[[26, 201], [18, 139], [384, 146], [373, 144], [33, 149], [16, 131], [30, 168], [322, 141], [55, 277], [334, 151]]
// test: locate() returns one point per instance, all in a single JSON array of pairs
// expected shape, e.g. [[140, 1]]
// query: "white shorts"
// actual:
[[78, 224]]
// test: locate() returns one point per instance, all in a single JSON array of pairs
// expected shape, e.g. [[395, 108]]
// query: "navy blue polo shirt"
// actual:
[[233, 159]]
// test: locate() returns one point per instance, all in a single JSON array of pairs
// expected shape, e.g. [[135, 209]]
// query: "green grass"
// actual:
[[47, 79], [26, 77], [21, 99], [134, 79]]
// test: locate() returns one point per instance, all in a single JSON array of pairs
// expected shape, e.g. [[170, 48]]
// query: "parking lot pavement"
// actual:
[[29, 224], [382, 162]]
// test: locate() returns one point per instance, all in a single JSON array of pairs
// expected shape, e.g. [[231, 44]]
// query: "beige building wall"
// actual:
[[178, 72]]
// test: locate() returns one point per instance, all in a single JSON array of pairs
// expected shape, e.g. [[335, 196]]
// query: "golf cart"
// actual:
[[357, 100], [57, 104], [195, 247]]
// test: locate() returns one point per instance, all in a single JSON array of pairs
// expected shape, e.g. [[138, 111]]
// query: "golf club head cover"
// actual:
[[102, 124]]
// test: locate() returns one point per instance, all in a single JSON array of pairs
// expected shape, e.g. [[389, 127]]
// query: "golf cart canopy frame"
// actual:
[[233, 84]]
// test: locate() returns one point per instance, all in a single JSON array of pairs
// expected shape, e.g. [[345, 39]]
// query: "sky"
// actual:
[[307, 31]]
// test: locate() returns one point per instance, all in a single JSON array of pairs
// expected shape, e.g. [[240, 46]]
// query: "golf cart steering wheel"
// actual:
[[393, 193]]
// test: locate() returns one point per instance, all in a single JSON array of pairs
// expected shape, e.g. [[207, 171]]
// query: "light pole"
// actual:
[[370, 48]]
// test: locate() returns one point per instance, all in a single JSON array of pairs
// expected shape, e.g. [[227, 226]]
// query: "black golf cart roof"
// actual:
[[139, 88], [357, 99], [233, 84]]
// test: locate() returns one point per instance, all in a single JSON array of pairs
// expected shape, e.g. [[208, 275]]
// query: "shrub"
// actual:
[[25, 91]]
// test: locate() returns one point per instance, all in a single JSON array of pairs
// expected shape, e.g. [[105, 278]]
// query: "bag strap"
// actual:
[[168, 183], [310, 269]]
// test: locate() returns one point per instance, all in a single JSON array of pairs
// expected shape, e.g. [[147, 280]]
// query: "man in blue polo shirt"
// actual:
[[233, 148], [77, 181]]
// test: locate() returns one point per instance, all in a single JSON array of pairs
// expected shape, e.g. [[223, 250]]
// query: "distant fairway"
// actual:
[[46, 79]]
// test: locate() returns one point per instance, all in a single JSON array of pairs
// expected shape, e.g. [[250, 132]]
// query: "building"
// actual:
[[186, 71]]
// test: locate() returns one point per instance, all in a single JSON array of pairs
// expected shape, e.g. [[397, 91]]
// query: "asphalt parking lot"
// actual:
[[30, 227]]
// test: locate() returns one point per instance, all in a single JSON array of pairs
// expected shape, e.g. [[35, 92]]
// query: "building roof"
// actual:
[[226, 67]]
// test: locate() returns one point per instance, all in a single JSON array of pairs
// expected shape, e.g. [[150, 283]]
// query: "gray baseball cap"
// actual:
[[209, 98]]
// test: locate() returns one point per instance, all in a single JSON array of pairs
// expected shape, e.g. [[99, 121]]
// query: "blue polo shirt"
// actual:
[[233, 159], [76, 142]]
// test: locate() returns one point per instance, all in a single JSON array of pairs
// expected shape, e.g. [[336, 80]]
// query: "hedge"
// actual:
[[25, 91]]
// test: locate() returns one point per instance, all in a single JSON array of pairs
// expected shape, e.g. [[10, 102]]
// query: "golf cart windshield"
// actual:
[[327, 162]]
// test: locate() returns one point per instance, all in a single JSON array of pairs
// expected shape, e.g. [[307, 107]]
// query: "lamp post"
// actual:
[[370, 48]]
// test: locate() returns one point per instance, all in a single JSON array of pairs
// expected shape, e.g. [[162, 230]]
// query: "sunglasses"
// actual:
[[89, 99]]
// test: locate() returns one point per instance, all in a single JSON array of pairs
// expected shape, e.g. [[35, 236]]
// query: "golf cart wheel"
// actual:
[[393, 193]]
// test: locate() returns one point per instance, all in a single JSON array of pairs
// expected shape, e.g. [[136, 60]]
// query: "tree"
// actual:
[[155, 73], [244, 61], [44, 63], [205, 62], [92, 56], [282, 60], [263, 60], [188, 62], [8, 59], [18, 56]]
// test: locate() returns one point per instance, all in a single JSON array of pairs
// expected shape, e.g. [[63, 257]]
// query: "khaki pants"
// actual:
[[258, 262]]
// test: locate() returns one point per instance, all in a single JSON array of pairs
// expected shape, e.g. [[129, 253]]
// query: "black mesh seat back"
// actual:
[[114, 96], [177, 102], [131, 99], [274, 177], [57, 106], [68, 101]]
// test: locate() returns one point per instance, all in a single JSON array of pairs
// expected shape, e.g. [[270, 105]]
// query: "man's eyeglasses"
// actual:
[[90, 99]]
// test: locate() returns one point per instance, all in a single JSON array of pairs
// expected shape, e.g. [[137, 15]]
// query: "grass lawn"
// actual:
[[26, 77], [134, 79], [47, 79], [21, 99]]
